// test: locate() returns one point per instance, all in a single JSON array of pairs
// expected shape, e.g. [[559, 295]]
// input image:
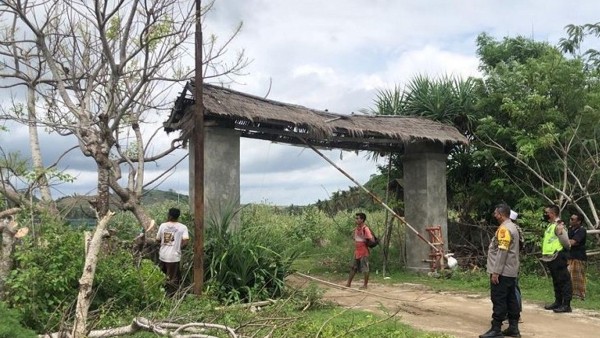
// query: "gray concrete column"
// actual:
[[424, 198], [221, 173]]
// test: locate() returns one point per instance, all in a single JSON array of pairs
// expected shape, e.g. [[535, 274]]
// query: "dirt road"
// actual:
[[461, 315]]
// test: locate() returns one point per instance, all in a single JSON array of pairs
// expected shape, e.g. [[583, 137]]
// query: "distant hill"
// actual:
[[158, 196], [78, 206]]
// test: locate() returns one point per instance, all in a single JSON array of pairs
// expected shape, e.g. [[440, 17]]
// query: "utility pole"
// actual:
[[198, 146]]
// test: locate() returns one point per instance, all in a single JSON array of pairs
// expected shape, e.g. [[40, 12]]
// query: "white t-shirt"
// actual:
[[170, 235]]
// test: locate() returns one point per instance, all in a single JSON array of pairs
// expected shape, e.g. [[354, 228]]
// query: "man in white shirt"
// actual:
[[172, 236]]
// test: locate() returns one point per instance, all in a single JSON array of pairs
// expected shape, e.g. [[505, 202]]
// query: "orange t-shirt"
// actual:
[[361, 234]]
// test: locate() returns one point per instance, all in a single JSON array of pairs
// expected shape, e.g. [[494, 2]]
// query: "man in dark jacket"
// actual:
[[503, 267], [577, 255]]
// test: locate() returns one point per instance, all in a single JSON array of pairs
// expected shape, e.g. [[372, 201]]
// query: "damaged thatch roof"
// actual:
[[260, 118]]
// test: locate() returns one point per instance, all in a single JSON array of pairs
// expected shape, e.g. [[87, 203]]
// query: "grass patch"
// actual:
[[337, 322], [288, 318]]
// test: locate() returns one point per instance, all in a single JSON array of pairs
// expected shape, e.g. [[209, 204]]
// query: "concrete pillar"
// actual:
[[424, 198], [221, 173]]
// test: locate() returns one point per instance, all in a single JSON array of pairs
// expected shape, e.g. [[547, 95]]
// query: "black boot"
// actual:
[[553, 306], [513, 329], [565, 307], [493, 332]]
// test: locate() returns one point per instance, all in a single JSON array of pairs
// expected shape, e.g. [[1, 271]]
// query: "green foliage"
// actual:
[[51, 174], [14, 164], [518, 50], [309, 226], [355, 197], [127, 285], [350, 323], [114, 28], [238, 268], [44, 284], [540, 124], [10, 325], [158, 31], [572, 44]]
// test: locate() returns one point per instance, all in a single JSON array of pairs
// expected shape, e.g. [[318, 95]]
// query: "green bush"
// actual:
[[10, 325], [121, 283], [44, 284], [238, 268]]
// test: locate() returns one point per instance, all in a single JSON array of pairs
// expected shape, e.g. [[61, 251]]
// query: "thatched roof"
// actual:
[[260, 118]]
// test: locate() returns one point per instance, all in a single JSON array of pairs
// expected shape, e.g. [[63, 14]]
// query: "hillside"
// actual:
[[77, 206]]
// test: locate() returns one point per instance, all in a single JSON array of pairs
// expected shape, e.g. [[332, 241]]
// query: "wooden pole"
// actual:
[[388, 226], [198, 146]]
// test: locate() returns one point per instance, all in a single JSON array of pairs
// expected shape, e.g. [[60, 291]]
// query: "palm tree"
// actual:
[[447, 99]]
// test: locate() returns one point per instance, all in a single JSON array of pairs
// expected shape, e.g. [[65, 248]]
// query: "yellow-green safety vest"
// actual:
[[551, 244]]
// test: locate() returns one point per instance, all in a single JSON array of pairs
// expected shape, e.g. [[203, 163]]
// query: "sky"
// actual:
[[335, 55]]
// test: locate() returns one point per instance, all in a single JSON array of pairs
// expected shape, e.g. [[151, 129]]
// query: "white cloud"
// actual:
[[335, 55]]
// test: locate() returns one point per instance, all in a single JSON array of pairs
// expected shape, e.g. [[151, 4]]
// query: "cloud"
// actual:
[[334, 55]]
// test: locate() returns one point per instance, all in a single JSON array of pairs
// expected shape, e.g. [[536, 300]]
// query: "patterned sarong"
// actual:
[[577, 270]]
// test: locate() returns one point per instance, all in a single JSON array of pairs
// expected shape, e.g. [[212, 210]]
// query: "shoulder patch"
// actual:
[[504, 238]]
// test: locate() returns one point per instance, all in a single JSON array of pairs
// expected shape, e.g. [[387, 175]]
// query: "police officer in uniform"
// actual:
[[503, 267], [555, 246]]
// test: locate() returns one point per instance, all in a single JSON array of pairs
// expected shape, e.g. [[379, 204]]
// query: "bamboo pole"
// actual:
[[372, 195]]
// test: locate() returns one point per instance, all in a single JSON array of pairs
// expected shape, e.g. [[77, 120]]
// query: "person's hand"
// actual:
[[495, 278]]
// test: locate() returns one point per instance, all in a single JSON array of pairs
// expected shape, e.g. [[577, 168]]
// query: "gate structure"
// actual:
[[229, 115]]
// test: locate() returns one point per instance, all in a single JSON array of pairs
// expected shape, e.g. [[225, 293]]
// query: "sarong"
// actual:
[[577, 271]]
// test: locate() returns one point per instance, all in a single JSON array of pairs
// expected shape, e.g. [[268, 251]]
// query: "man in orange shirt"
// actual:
[[362, 234]]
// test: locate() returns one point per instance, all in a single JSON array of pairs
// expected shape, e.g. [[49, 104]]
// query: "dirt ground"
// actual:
[[461, 315]]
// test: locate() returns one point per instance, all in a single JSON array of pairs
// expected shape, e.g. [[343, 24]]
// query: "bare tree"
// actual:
[[107, 66], [574, 180], [21, 64]]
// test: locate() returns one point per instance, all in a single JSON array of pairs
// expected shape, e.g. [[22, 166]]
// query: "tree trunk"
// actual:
[[34, 145], [91, 258], [8, 229], [87, 278], [103, 198]]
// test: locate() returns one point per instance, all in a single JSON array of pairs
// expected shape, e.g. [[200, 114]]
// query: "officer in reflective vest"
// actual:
[[555, 247]]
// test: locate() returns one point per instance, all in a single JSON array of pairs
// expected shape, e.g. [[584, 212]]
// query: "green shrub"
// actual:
[[121, 283], [44, 284], [238, 268], [10, 325]]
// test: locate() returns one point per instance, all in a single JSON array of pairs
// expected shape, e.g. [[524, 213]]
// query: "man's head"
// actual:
[[551, 212], [575, 220], [360, 218], [174, 214], [501, 212]]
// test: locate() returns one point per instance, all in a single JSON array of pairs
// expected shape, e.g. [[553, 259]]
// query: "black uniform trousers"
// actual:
[[561, 278], [505, 303]]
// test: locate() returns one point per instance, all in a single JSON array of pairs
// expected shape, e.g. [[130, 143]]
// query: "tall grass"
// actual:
[[241, 265]]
